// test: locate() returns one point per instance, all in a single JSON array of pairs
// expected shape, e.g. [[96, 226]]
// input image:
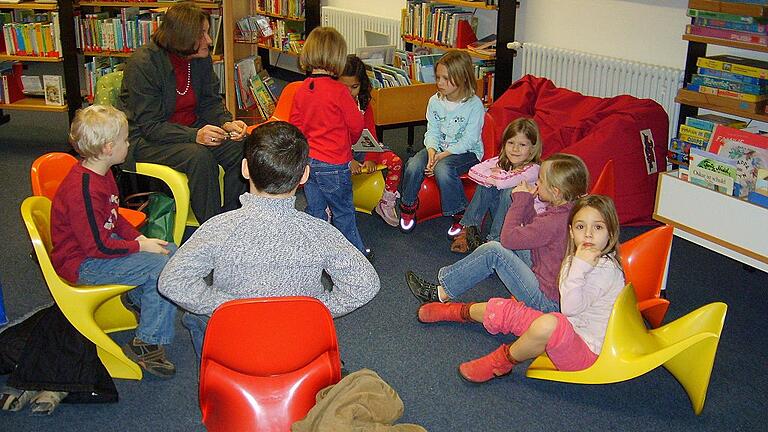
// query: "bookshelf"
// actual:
[[69, 63], [698, 214], [236, 48], [506, 17]]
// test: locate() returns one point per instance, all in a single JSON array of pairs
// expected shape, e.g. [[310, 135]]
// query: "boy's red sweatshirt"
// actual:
[[83, 218], [325, 112]]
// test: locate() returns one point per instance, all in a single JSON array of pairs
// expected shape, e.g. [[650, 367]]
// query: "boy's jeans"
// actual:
[[331, 186], [156, 323], [513, 268], [488, 199], [447, 173], [196, 324]]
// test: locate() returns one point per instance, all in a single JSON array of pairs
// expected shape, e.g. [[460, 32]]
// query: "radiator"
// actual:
[[352, 25], [595, 75]]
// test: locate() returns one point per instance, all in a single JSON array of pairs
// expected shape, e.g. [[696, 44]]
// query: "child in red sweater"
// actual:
[[94, 245], [326, 114], [355, 78]]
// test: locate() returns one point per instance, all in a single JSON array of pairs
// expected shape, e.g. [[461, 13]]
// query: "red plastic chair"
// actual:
[[429, 194], [645, 259], [49, 170], [606, 183], [263, 362]]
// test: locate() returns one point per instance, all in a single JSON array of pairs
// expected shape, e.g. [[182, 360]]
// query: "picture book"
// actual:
[[735, 64], [262, 95], [712, 171], [748, 151], [367, 143], [761, 184], [54, 89]]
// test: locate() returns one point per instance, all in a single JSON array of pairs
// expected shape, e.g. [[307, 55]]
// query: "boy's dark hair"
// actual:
[[276, 153], [356, 68]]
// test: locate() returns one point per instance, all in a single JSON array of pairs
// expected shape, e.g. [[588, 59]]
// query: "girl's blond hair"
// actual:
[[530, 130], [603, 205], [568, 174], [94, 127], [460, 72], [325, 48]]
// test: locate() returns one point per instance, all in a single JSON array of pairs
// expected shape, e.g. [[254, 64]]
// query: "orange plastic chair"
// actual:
[[284, 104], [645, 259], [606, 183], [263, 362], [49, 170], [429, 193]]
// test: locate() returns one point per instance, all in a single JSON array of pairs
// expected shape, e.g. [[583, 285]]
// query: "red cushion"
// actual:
[[595, 129]]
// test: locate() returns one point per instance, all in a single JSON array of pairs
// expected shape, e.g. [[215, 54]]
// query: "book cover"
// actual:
[[712, 171], [696, 132], [262, 95], [367, 143], [724, 134], [709, 121], [748, 151], [54, 89], [761, 183], [732, 35], [722, 83], [735, 64], [732, 76]]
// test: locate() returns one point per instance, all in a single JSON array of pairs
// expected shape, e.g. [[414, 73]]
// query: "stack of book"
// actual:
[[121, 30], [737, 82], [29, 33], [739, 28], [255, 90], [696, 133], [438, 24]]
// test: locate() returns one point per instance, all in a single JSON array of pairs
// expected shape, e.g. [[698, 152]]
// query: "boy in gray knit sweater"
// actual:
[[267, 248]]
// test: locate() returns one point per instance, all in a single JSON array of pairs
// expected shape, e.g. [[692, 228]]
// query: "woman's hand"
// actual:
[[237, 129], [211, 136]]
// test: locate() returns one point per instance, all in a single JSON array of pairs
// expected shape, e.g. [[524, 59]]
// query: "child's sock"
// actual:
[[436, 312], [498, 363]]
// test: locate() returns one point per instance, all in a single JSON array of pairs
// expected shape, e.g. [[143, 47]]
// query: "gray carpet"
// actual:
[[418, 360]]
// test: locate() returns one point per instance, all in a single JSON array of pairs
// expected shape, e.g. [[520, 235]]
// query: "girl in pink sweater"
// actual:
[[591, 278], [518, 161]]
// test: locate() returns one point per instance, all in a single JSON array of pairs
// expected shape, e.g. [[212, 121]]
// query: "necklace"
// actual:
[[189, 76]]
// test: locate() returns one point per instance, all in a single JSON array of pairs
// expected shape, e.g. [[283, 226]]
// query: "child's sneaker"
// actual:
[[150, 357], [386, 208], [456, 227], [408, 217]]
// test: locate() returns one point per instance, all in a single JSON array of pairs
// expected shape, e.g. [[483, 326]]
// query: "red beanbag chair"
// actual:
[[631, 131]]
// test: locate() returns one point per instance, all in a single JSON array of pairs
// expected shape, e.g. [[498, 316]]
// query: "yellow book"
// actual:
[[701, 142], [39, 39], [735, 64], [696, 132]]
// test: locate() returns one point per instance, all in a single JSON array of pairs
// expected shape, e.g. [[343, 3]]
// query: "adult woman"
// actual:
[[170, 95]]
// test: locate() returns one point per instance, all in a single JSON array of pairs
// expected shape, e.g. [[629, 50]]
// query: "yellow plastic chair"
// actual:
[[367, 188], [686, 347], [93, 310]]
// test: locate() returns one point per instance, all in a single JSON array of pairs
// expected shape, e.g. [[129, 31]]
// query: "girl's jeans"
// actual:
[[156, 323], [447, 173], [330, 186], [512, 267], [488, 199]]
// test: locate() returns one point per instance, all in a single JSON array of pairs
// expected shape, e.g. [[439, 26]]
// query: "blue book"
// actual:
[[700, 124], [725, 84], [732, 76], [758, 28]]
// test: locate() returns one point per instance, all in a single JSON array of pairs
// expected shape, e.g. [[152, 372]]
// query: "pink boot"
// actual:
[[495, 364], [386, 208], [436, 312]]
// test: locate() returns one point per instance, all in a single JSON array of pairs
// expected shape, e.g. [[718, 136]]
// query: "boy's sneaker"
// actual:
[[408, 217], [425, 291], [386, 208], [151, 358], [456, 227]]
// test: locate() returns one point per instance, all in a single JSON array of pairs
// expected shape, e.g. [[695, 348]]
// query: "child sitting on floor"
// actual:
[[518, 161], [591, 279]]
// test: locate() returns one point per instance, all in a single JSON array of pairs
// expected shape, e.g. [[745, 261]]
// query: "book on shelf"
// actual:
[[720, 102], [761, 183], [748, 151], [367, 143], [486, 45], [731, 35], [735, 64], [54, 89], [262, 95], [707, 14], [244, 69], [216, 34], [757, 27], [746, 97], [709, 121], [712, 171], [729, 85], [733, 77]]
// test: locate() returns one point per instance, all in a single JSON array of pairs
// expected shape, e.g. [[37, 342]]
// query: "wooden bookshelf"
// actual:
[[471, 4], [284, 17], [30, 5], [33, 104], [724, 42], [419, 42], [201, 5], [694, 99], [754, 10], [5, 57]]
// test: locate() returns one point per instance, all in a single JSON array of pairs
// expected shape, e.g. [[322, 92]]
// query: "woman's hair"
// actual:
[[568, 174], [276, 154], [604, 205], [325, 48], [181, 29], [530, 130], [94, 127], [356, 68], [460, 72]]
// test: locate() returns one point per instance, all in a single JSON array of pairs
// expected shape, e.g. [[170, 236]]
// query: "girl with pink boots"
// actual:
[[591, 278]]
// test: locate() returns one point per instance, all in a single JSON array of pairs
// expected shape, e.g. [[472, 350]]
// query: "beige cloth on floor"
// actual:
[[360, 402]]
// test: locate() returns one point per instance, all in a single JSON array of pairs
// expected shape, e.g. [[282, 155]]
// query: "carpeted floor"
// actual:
[[418, 360]]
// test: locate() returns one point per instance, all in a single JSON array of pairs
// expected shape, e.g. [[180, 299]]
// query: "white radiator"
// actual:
[[595, 75], [352, 25]]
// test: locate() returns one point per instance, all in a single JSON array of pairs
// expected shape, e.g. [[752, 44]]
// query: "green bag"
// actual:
[[161, 212]]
